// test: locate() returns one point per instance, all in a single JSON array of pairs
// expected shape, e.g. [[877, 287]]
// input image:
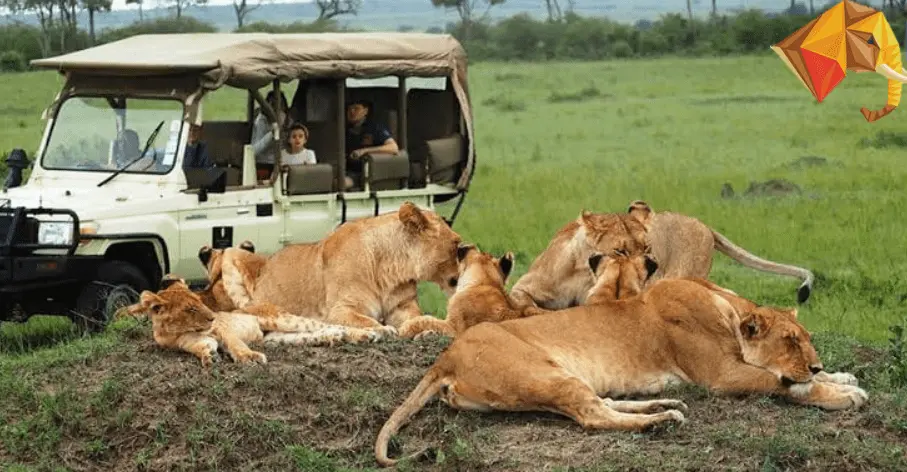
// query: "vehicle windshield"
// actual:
[[109, 133]]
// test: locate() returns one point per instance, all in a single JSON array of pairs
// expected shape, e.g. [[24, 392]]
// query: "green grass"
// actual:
[[557, 138]]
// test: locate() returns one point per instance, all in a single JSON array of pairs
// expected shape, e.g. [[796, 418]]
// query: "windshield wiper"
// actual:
[[141, 155]]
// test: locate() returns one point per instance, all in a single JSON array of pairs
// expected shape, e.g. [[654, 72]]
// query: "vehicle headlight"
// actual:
[[55, 232]]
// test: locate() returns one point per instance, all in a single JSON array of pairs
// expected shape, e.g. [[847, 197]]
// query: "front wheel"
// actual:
[[116, 284]]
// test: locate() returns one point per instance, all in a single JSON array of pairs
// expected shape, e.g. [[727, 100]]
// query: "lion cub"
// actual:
[[181, 320], [620, 277], [480, 296]]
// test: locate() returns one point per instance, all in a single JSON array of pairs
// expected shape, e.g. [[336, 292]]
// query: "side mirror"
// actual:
[[16, 162]]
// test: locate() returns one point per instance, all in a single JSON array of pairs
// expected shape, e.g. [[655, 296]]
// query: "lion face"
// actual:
[[482, 268], [774, 340], [610, 232], [176, 308], [437, 244], [621, 274]]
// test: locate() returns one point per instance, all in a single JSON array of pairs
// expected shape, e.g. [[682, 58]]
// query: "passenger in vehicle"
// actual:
[[363, 136], [262, 136], [297, 154], [196, 155]]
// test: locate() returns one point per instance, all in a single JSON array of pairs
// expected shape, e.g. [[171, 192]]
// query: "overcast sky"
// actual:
[[149, 4]]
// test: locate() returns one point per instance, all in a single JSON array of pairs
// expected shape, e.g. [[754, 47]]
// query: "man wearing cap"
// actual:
[[363, 136]]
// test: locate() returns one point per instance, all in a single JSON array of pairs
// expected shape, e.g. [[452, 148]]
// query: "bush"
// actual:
[[184, 24], [12, 61]]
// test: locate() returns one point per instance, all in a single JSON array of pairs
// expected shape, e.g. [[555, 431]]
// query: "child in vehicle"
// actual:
[[297, 154]]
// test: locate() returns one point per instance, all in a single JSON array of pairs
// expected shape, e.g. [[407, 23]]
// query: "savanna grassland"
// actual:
[[554, 139]]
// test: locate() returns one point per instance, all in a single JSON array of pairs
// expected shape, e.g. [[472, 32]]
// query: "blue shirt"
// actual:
[[369, 134], [196, 156]]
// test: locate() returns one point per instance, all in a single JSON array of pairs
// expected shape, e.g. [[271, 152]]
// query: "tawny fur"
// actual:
[[675, 331], [480, 296], [683, 247], [559, 277], [181, 320], [363, 274]]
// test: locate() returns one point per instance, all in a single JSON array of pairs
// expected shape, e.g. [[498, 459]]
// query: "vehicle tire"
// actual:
[[116, 284]]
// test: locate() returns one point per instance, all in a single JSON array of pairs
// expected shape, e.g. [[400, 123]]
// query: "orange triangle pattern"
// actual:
[[824, 73]]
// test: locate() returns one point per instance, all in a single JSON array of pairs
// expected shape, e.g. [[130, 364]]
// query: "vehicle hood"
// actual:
[[90, 202]]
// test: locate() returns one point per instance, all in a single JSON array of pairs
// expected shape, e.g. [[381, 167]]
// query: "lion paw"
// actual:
[[842, 378], [251, 357], [857, 396], [671, 404], [426, 334], [670, 416], [384, 332]]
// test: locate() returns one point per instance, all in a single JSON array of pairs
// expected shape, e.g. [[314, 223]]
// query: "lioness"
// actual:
[[682, 245], [181, 320], [675, 331], [620, 277], [363, 274], [559, 277], [480, 296]]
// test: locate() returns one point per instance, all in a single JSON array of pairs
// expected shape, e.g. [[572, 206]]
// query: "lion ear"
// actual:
[[152, 302], [793, 312], [594, 261], [412, 217], [204, 254], [248, 246], [506, 264], [170, 279], [752, 326], [651, 266], [463, 250], [642, 212]]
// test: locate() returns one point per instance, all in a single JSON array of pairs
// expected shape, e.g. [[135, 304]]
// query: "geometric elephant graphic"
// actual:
[[847, 37]]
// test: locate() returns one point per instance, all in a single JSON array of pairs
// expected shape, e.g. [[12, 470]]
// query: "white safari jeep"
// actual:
[[112, 204]]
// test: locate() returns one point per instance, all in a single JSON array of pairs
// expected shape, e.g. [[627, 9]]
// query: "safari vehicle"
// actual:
[[109, 208]]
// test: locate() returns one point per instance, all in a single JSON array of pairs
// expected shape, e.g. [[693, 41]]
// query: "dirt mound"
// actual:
[[768, 188], [142, 408]]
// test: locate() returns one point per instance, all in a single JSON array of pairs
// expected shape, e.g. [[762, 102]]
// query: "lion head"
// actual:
[[482, 268], [435, 244], [620, 274], [773, 339], [609, 232], [175, 308]]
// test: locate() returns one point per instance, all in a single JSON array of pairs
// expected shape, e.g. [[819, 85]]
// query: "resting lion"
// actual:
[[363, 274], [682, 245], [676, 331], [480, 296], [181, 320]]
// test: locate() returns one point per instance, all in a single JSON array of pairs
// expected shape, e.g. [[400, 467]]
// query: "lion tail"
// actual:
[[741, 255], [426, 389]]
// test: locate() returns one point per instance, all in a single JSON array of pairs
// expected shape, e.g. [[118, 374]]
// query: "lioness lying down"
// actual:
[[677, 331], [180, 320], [480, 296], [363, 274]]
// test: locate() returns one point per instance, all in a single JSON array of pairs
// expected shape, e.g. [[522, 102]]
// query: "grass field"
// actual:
[[553, 139]]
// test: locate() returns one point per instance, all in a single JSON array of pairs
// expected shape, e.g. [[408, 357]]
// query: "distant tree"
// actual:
[[715, 7], [466, 10], [180, 5], [242, 8], [328, 9], [554, 10], [139, 3], [92, 7]]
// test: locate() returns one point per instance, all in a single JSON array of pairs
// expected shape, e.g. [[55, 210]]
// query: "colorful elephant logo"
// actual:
[[849, 36]]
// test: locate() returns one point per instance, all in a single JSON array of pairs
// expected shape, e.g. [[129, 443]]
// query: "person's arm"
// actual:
[[263, 133], [388, 145]]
